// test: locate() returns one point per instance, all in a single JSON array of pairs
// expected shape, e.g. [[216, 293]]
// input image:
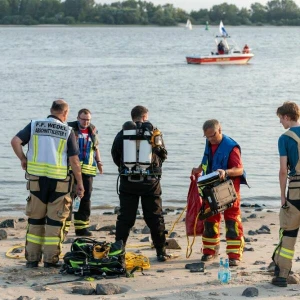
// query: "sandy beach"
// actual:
[[168, 280]]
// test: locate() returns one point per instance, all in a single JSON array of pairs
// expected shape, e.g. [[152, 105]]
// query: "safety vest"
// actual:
[[47, 148], [87, 149], [220, 158]]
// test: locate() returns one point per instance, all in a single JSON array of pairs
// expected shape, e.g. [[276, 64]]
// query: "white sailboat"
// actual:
[[189, 24]]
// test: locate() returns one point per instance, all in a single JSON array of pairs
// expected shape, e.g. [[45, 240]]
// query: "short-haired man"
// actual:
[[222, 154], [51, 144], [146, 186], [289, 177], [90, 160]]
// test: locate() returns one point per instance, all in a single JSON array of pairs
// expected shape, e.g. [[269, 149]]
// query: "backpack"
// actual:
[[90, 257]]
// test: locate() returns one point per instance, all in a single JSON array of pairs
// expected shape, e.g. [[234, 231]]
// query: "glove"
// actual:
[[161, 152]]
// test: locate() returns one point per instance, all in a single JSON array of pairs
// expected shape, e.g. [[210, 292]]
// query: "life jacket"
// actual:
[[220, 159], [86, 151], [47, 148]]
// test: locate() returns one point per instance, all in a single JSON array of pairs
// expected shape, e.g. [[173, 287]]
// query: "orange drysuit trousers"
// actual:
[[234, 232]]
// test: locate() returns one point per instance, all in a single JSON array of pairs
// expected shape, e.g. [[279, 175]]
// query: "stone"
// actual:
[[9, 223], [293, 279], [146, 230], [94, 227], [107, 289], [3, 234], [145, 239], [251, 232], [173, 235], [85, 289], [271, 267], [117, 210], [172, 244], [249, 249], [108, 228], [250, 292], [252, 216]]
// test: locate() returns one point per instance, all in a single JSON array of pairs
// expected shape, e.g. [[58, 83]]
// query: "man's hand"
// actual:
[[222, 174], [24, 163], [196, 171], [79, 189]]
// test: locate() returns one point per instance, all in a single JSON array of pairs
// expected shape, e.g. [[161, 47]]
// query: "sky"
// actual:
[[189, 5]]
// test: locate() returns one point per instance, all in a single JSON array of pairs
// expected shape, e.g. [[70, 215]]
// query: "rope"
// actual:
[[11, 254], [189, 248], [133, 260]]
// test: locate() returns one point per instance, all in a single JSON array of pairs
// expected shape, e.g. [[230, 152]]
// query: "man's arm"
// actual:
[[98, 160], [16, 144], [235, 165], [117, 149], [76, 169], [283, 172]]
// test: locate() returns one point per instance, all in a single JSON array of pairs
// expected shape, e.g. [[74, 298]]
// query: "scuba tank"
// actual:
[[145, 147], [129, 144]]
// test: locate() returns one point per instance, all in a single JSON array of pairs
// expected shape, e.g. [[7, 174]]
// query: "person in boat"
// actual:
[[222, 154], [289, 174], [221, 48], [136, 184], [246, 49]]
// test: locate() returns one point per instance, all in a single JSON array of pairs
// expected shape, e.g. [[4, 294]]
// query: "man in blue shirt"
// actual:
[[289, 177]]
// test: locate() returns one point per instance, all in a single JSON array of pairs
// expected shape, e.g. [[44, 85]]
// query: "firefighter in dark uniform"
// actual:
[[51, 144], [145, 185], [90, 160]]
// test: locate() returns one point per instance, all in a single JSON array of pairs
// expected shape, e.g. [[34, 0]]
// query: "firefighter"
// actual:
[[140, 165], [51, 144], [222, 154], [289, 180], [90, 159]]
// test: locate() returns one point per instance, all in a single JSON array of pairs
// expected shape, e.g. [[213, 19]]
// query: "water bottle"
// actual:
[[227, 273], [76, 204], [221, 270]]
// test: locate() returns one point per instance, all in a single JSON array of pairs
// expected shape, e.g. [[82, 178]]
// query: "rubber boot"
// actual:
[[162, 255]]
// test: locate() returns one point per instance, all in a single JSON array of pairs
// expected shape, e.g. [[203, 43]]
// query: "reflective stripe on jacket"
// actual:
[[86, 152], [47, 148]]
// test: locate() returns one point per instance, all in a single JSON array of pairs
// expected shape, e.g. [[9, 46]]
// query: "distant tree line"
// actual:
[[131, 12]]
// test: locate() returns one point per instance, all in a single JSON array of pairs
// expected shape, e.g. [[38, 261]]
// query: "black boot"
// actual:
[[83, 232], [162, 255]]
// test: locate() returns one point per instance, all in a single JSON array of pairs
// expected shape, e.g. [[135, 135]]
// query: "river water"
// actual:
[[111, 69]]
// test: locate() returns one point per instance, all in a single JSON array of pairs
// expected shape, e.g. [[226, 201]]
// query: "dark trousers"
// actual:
[[81, 218], [84, 210], [152, 210]]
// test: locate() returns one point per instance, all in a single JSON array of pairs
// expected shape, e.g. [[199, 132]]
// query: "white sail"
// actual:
[[189, 24]]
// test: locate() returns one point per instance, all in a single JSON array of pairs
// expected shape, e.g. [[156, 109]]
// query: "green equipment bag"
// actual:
[[90, 257]]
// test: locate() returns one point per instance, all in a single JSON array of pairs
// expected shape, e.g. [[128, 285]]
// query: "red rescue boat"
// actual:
[[228, 53]]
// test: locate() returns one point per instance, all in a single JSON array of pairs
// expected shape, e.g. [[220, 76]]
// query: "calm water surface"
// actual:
[[111, 69]]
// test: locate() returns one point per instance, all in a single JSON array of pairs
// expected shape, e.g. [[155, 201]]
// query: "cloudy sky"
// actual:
[[189, 5]]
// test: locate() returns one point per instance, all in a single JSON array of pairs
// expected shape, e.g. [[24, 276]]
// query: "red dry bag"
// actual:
[[194, 203]]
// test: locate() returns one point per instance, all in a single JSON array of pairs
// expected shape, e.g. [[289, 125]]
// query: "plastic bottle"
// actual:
[[227, 273], [221, 270], [76, 204]]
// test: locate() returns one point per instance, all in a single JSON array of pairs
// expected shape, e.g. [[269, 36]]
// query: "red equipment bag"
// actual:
[[194, 204]]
